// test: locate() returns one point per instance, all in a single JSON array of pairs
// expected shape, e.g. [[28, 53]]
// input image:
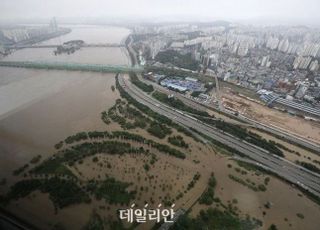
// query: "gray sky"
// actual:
[[296, 11]]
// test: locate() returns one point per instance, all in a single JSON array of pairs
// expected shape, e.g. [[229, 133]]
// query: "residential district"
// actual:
[[280, 63]]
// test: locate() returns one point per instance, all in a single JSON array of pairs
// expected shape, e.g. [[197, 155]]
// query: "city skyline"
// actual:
[[176, 115]]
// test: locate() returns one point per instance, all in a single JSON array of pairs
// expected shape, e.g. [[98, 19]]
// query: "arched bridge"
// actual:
[[73, 66]]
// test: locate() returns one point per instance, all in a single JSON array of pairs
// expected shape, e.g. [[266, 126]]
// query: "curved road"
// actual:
[[291, 137], [285, 169]]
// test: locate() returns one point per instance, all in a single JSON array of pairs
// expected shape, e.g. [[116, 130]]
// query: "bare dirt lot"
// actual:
[[268, 116]]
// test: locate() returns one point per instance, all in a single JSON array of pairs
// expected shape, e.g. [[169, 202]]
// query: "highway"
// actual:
[[315, 147], [293, 138], [218, 93], [269, 128], [291, 172]]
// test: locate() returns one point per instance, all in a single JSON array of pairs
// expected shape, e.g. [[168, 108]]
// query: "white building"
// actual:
[[314, 66], [243, 49], [284, 45], [272, 43], [301, 62], [301, 89]]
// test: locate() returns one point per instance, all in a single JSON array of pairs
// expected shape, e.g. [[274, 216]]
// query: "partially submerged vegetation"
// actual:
[[232, 129], [143, 86], [195, 178], [158, 117], [66, 192], [95, 222], [62, 192], [178, 104], [208, 196], [178, 141], [159, 130], [52, 167], [35, 159], [253, 167], [112, 191], [243, 134], [126, 116], [18, 171], [309, 166], [94, 145], [215, 219], [115, 147], [248, 183]]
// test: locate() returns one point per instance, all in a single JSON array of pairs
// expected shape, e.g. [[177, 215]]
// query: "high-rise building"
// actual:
[[314, 66], [265, 62], [310, 49], [284, 45], [301, 62], [243, 49], [53, 25], [272, 43], [301, 89]]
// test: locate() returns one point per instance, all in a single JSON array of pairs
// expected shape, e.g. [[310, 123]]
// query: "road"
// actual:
[[293, 138], [285, 169], [131, 52], [315, 147], [218, 93], [167, 225]]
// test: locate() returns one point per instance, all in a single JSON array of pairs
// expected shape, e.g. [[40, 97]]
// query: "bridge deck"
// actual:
[[73, 66]]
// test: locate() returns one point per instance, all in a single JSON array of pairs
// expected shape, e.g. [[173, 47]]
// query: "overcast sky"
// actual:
[[296, 11]]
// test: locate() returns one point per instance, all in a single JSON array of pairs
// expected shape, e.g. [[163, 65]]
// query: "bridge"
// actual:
[[55, 46], [73, 66]]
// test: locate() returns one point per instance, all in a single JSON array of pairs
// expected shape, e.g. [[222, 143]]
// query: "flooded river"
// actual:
[[38, 108], [92, 55]]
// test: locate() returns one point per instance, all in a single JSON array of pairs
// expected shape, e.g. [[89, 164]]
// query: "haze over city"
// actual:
[[249, 11], [159, 115]]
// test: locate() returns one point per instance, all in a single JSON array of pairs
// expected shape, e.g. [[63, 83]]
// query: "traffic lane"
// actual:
[[310, 144], [182, 117], [278, 168], [291, 137]]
